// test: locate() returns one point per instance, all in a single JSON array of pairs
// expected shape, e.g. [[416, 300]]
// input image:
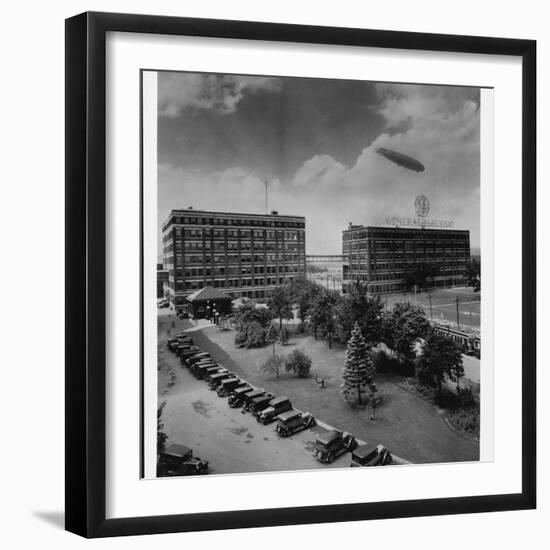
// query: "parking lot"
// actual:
[[231, 441]]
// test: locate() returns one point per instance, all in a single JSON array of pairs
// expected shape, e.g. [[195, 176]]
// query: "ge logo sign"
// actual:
[[422, 206]]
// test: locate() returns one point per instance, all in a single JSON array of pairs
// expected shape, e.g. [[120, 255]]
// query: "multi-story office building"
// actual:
[[242, 255], [382, 257]]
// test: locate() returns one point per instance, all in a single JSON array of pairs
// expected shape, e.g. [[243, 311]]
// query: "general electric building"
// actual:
[[386, 257], [242, 255]]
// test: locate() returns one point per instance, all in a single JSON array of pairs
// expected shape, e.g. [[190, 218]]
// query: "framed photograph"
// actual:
[[300, 274]]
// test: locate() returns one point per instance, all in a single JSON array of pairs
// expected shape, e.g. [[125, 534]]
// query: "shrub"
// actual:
[[273, 365], [240, 338], [299, 363], [285, 335], [255, 335]]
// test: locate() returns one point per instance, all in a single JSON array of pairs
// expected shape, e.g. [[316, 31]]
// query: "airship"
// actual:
[[401, 159]]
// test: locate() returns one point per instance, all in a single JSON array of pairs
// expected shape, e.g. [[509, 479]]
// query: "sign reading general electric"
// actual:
[[422, 209]]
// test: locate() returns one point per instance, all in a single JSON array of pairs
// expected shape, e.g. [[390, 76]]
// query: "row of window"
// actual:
[[202, 220], [238, 234], [236, 271]]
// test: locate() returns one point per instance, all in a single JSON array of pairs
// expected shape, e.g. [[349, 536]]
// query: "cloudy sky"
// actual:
[[220, 137]]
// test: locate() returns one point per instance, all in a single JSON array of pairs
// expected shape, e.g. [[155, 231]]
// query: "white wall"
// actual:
[[31, 399]]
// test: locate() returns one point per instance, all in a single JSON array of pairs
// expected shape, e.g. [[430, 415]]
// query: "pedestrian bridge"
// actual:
[[321, 258]]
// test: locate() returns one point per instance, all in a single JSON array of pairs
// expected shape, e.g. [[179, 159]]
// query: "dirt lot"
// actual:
[[232, 441], [411, 427]]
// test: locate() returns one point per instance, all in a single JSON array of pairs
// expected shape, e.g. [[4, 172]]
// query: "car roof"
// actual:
[[244, 389], [277, 400], [329, 437], [256, 393], [363, 450], [222, 375], [262, 398], [289, 415], [175, 449]]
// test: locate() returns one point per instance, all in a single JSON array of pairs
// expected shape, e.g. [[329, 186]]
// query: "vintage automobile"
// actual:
[[293, 421], [183, 334], [217, 379], [184, 355], [171, 342], [228, 385], [370, 455], [235, 398], [178, 460], [220, 370], [248, 397], [203, 369], [332, 444], [197, 365], [276, 406], [258, 404], [182, 349], [197, 357]]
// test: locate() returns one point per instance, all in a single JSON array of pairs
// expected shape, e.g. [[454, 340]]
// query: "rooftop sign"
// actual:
[[420, 222]]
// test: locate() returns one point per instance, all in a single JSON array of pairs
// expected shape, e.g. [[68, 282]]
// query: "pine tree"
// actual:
[[358, 369]]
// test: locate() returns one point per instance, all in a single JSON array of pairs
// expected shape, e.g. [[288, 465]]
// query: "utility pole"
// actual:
[[457, 317], [431, 312]]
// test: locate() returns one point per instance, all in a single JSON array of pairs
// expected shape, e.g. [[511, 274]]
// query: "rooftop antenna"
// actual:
[[266, 195]]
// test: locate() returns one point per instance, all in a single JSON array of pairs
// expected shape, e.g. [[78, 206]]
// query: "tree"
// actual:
[[280, 304], [359, 307], [255, 335], [299, 363], [303, 293], [440, 358], [161, 436], [473, 274], [322, 313], [358, 369], [273, 365], [404, 326], [248, 313], [271, 337]]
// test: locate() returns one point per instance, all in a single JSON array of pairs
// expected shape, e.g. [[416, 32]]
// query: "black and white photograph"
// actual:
[[318, 282]]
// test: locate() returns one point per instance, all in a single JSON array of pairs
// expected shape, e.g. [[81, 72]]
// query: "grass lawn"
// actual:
[[409, 426]]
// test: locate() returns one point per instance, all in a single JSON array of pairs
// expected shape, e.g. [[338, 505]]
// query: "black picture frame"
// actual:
[[86, 284]]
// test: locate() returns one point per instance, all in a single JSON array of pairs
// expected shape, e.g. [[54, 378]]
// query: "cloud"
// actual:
[[408, 104], [218, 93], [442, 132]]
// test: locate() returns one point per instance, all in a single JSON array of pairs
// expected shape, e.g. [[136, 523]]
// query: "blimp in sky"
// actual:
[[401, 159]]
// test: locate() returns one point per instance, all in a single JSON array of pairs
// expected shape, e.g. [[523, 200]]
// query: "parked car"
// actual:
[[258, 404], [207, 362], [276, 406], [178, 460], [217, 379], [248, 397], [293, 421], [185, 354], [221, 370], [205, 368], [370, 455], [236, 397], [228, 385], [197, 357], [180, 349], [332, 444]]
